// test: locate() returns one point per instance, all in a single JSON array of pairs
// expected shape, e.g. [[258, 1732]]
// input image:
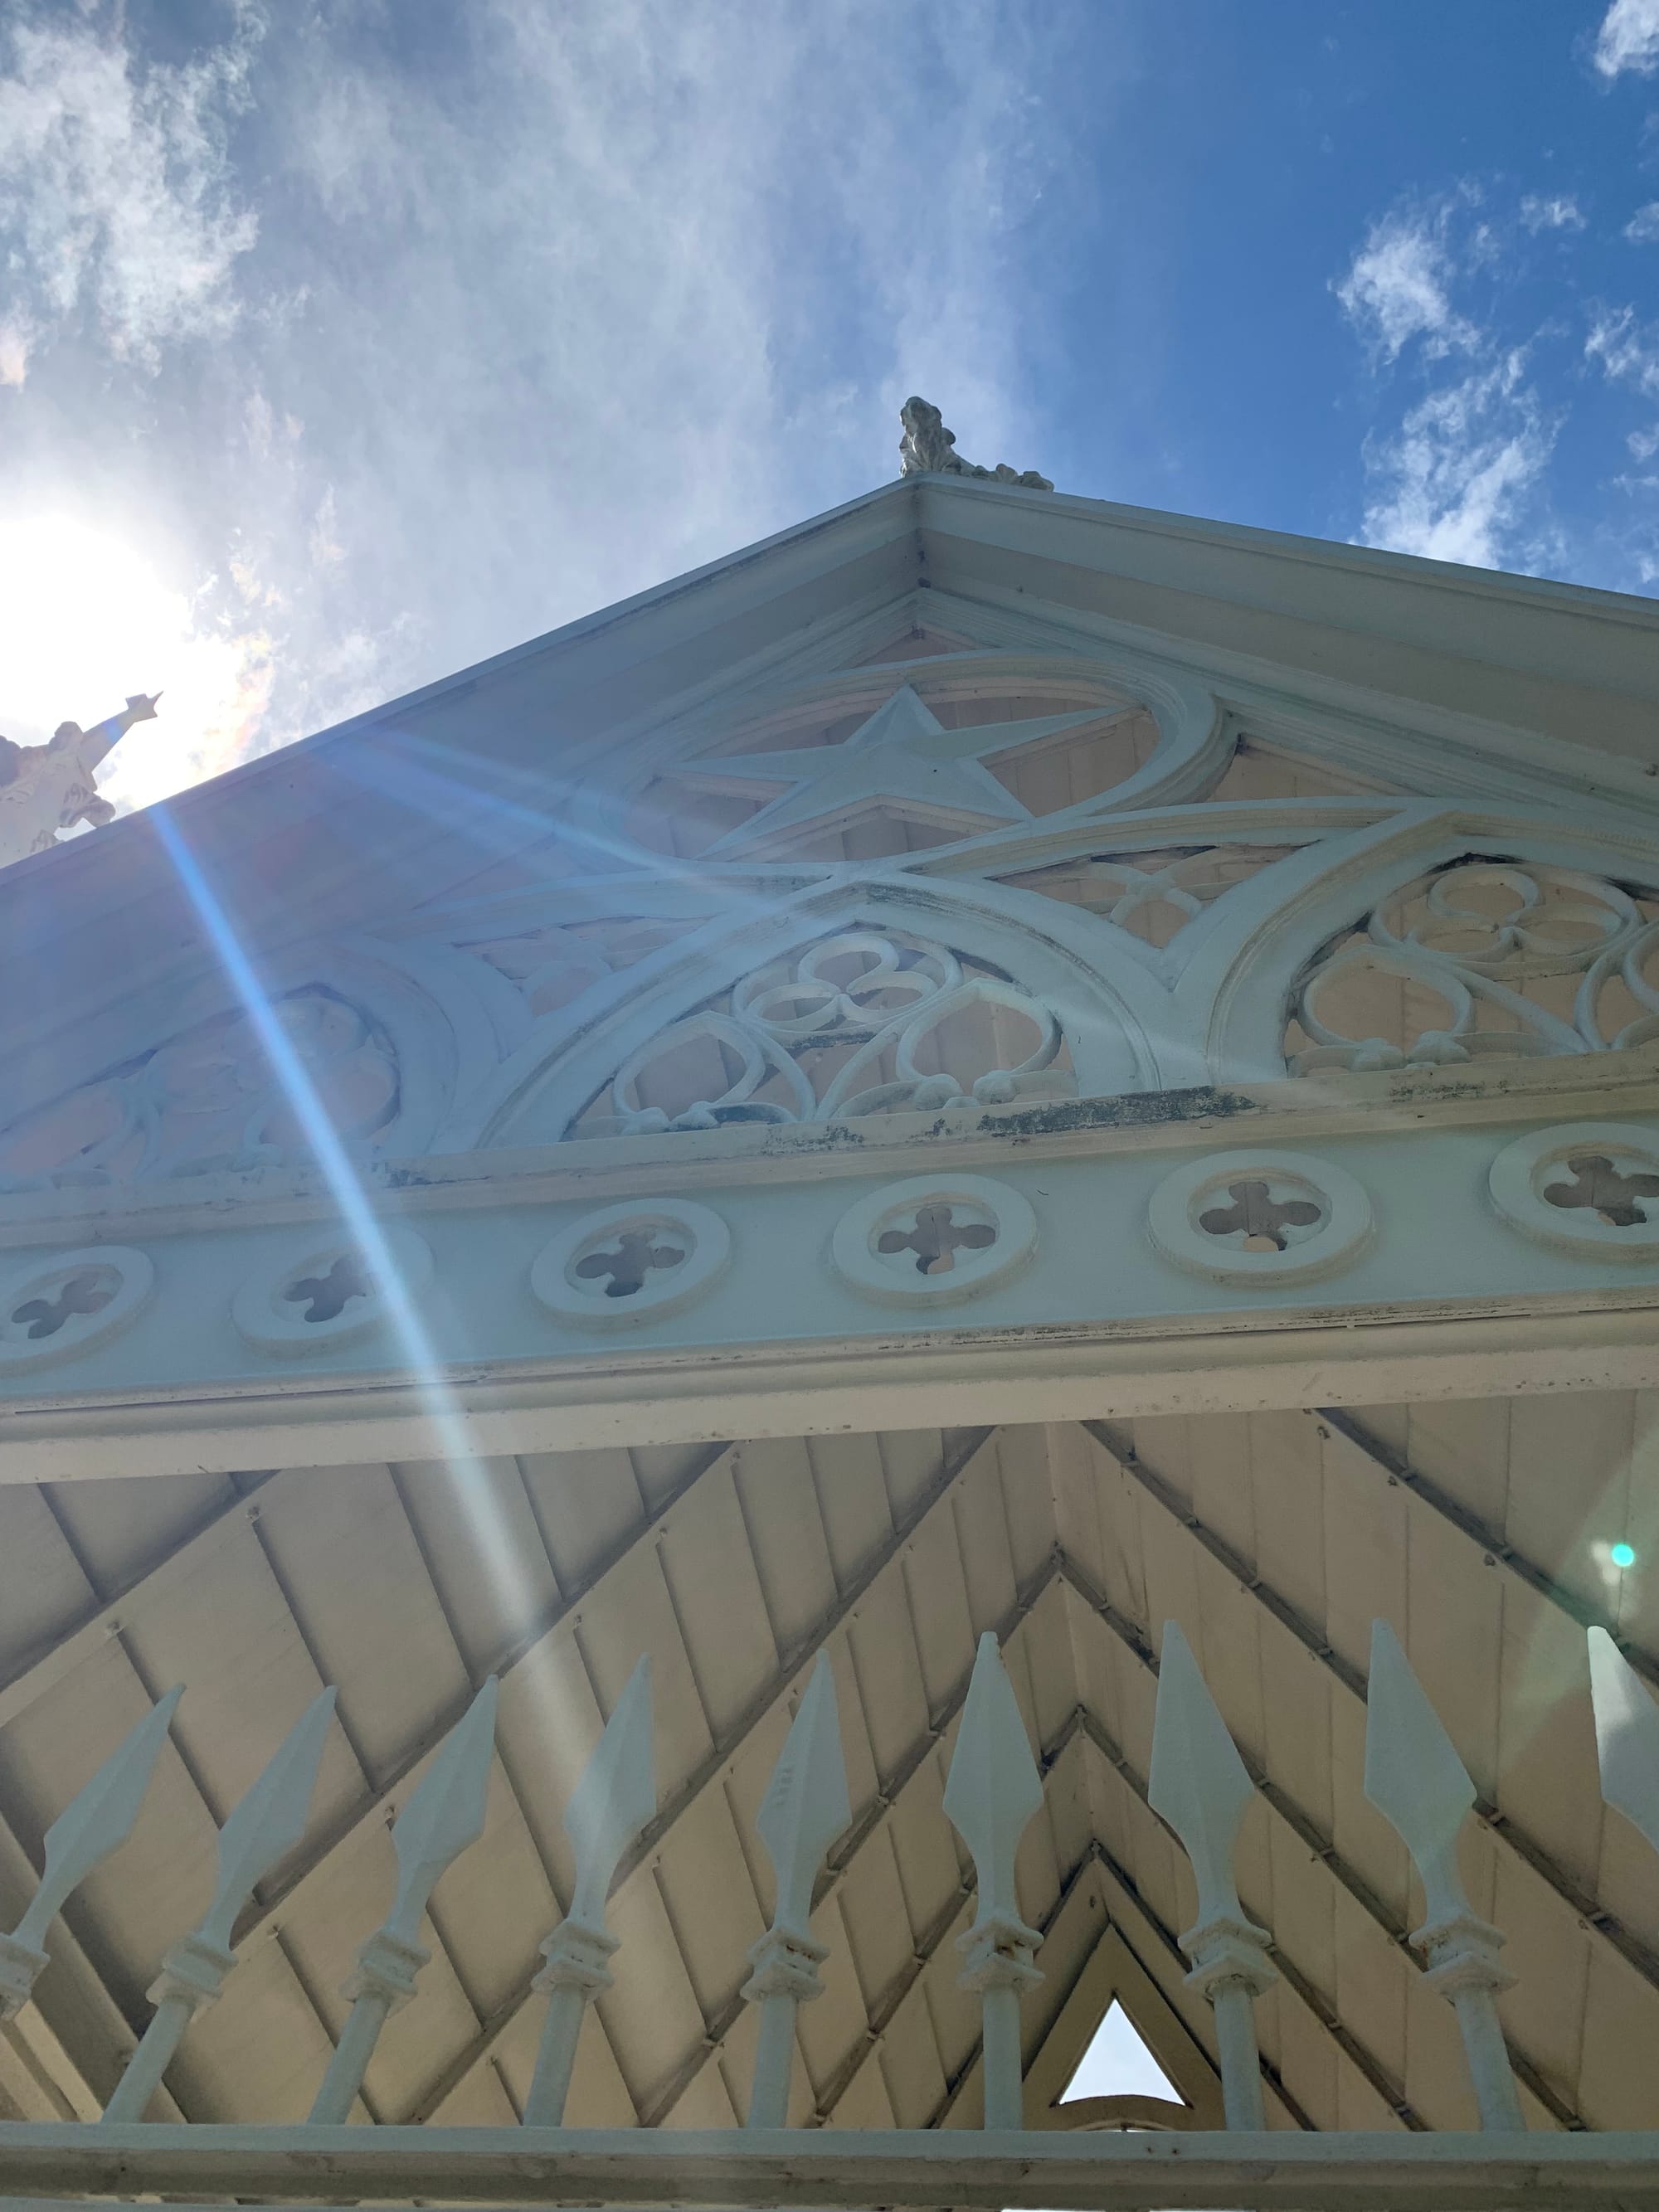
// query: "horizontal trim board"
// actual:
[[700, 1399], [1281, 2170]]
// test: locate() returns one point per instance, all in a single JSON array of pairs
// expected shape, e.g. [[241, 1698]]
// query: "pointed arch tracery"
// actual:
[[855, 1000], [1142, 929], [346, 1032], [1437, 937]]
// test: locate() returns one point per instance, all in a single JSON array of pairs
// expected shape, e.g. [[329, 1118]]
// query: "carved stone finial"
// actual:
[[46, 788], [928, 448]]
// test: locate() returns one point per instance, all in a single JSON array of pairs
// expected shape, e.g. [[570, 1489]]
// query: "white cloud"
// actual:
[[1396, 290], [1456, 475], [1558, 211], [1629, 39], [1643, 229], [115, 190], [543, 305], [1627, 354]]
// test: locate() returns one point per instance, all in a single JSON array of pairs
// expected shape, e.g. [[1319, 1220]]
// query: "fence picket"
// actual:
[[267, 1823], [1627, 1736], [615, 1798], [991, 1794], [1197, 1784], [1416, 1780], [445, 1815], [805, 1808], [95, 1822]]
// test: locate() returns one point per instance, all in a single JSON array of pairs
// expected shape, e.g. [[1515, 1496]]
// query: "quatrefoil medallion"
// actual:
[[331, 1290], [1260, 1217], [633, 1263], [932, 1243], [58, 1305], [1588, 1188]]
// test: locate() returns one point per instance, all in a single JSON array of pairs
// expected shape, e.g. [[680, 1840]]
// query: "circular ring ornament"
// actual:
[[324, 1293], [635, 1262], [1588, 1187], [61, 1304], [934, 1241], [1246, 1218]]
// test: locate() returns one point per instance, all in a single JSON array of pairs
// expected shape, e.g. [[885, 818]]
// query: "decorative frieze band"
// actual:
[[1087, 1239]]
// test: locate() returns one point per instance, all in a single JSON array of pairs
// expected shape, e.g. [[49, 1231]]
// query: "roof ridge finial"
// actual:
[[927, 448]]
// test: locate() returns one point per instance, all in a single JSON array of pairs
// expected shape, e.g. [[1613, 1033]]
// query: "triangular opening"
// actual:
[[1119, 2063]]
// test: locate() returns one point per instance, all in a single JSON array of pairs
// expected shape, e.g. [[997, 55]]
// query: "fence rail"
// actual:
[[1277, 2171], [793, 2167]]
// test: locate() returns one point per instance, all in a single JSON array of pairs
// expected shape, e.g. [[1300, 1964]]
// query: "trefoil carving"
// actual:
[[1483, 958], [861, 1022]]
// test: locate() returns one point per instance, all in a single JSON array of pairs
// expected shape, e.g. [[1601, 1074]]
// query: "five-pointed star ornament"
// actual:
[[902, 758]]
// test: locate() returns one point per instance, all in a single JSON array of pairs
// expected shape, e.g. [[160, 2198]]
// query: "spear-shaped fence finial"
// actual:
[[267, 1824], [992, 1791], [1627, 1736], [95, 1822], [609, 1805], [805, 1808], [445, 1815], [1199, 1785], [1416, 1780]]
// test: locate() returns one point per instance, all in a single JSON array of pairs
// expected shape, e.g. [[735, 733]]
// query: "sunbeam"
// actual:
[[438, 1399]]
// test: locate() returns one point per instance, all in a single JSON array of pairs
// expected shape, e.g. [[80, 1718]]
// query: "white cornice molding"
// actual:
[[1373, 563], [1353, 727]]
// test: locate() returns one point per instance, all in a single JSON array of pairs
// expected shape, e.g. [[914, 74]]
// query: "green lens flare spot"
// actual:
[[1623, 1555]]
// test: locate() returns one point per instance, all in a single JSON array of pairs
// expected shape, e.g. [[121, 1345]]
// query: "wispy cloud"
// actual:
[[1397, 288], [1643, 229], [1625, 352], [1457, 474], [466, 327], [1552, 212], [1628, 38], [1455, 480], [115, 191]]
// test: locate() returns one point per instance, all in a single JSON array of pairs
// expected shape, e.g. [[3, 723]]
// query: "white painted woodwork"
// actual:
[[267, 1826], [609, 1805], [1410, 806], [736, 1555], [1627, 1736], [444, 1815], [1197, 1782], [992, 1793], [1416, 1780], [179, 1388], [805, 1808], [1359, 2172], [97, 1822]]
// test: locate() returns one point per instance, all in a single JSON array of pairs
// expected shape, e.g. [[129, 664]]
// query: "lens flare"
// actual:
[[494, 1537], [1622, 1555], [89, 620]]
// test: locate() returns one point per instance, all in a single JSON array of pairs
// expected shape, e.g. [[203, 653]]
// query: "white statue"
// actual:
[[927, 448], [46, 788]]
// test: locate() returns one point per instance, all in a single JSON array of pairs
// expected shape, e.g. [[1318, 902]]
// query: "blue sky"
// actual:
[[343, 344]]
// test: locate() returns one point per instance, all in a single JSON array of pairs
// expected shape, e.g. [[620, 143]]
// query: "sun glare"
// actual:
[[87, 620]]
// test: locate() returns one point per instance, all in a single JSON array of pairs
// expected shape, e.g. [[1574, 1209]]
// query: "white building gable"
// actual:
[[996, 1063]]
